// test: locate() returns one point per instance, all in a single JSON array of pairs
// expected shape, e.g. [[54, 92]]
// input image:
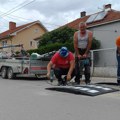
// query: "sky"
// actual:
[[51, 13]]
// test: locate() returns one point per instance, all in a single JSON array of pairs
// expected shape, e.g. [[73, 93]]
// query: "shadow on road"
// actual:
[[29, 78], [108, 83]]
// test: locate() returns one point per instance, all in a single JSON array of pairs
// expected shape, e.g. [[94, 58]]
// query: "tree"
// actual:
[[95, 44], [60, 37]]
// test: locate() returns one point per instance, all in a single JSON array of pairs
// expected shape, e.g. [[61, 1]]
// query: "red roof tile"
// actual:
[[8, 32], [111, 16]]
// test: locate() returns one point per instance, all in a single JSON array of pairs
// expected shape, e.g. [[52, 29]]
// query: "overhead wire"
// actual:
[[21, 5], [17, 18], [12, 8], [17, 8]]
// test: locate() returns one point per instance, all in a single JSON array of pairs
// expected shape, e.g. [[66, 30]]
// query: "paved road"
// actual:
[[27, 99]]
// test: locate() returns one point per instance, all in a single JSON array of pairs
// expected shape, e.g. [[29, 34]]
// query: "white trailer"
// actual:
[[34, 65]]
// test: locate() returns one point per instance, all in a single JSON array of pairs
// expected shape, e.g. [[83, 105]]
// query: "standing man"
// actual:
[[63, 64], [118, 59], [82, 45]]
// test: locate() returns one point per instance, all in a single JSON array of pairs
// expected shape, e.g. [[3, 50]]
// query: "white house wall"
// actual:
[[104, 62], [107, 34]]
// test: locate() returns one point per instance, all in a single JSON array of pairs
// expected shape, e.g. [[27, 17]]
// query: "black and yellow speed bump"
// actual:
[[90, 90]]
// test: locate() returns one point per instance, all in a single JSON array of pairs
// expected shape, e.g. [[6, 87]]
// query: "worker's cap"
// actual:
[[118, 41], [63, 51]]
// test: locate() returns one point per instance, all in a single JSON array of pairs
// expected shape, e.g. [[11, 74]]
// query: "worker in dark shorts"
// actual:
[[82, 45], [63, 63]]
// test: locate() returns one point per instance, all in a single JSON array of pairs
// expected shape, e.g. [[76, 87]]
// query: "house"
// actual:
[[105, 26], [25, 34]]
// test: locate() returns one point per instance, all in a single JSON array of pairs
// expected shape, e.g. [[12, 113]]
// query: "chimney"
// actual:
[[12, 25], [108, 6], [83, 14]]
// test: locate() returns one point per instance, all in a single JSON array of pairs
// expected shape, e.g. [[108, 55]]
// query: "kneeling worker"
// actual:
[[63, 63]]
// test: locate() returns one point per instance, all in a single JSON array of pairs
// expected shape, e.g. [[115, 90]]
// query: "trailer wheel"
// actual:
[[4, 72], [37, 75], [10, 73]]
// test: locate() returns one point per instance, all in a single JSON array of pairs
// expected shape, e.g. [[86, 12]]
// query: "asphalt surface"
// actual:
[[27, 99]]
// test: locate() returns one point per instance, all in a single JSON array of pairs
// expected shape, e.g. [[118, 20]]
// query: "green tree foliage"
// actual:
[[61, 37], [95, 44], [52, 47]]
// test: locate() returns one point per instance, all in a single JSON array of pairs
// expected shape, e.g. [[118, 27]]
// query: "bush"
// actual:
[[95, 44], [52, 47], [60, 37]]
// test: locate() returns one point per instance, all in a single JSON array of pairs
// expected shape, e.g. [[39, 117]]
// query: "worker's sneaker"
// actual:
[[87, 82], [64, 83], [118, 82], [76, 83], [60, 83]]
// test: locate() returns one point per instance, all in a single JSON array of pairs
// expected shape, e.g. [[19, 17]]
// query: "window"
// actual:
[[4, 43], [36, 30], [31, 44], [37, 44]]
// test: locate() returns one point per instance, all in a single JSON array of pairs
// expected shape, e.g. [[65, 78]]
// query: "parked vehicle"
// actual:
[[34, 65]]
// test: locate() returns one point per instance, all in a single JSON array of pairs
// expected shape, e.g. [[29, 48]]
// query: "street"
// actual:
[[27, 99]]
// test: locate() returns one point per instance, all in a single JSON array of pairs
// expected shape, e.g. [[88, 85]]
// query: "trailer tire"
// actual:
[[38, 76], [10, 73], [4, 72]]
